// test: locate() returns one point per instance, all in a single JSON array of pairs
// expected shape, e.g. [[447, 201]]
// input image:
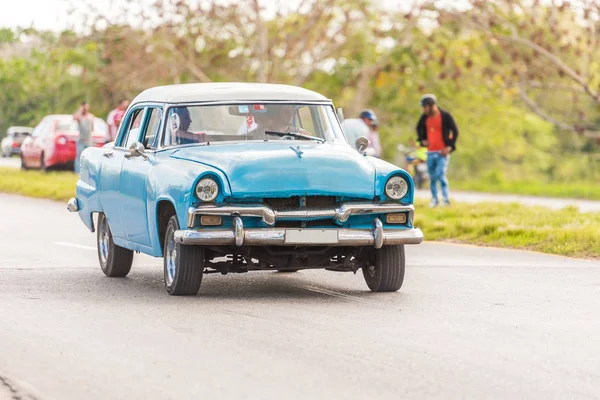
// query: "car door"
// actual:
[[110, 180], [37, 141], [134, 178]]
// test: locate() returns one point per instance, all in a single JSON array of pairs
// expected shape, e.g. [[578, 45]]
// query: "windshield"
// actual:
[[265, 121]]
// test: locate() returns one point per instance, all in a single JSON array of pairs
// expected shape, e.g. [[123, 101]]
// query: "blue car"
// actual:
[[238, 177]]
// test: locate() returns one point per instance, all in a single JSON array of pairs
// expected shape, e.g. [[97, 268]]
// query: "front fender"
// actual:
[[385, 170], [174, 180]]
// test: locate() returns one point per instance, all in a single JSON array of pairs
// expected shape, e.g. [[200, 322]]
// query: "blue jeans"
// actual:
[[80, 148], [437, 165]]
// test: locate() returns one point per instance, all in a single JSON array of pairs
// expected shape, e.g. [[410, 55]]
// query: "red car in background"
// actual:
[[53, 142]]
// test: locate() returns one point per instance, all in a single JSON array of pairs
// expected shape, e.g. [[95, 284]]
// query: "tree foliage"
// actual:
[[522, 77]]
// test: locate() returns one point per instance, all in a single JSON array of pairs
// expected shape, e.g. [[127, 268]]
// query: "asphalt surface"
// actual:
[[12, 162], [549, 202], [469, 323]]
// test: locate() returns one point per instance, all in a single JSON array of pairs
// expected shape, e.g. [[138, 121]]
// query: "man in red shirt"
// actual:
[[437, 131]]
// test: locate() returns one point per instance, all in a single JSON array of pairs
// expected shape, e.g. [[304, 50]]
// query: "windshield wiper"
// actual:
[[296, 135]]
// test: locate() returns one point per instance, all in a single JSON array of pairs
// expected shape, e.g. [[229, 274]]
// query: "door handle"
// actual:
[[109, 154]]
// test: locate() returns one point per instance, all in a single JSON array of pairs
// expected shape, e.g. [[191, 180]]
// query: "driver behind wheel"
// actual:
[[277, 118]]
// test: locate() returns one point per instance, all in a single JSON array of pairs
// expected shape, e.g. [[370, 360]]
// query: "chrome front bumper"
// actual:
[[270, 216], [72, 205], [239, 236]]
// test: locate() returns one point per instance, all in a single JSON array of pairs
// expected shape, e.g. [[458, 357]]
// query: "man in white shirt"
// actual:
[[370, 120]]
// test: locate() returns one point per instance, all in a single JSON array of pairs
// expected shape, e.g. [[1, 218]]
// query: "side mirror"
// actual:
[[137, 150], [361, 144]]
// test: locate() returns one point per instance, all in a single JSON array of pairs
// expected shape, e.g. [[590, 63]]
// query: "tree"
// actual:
[[546, 51]]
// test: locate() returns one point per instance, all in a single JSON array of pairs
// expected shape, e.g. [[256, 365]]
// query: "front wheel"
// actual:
[[23, 165], [43, 166], [115, 261], [387, 274], [183, 265]]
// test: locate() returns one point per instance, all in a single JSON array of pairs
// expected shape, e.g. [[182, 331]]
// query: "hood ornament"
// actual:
[[297, 151]]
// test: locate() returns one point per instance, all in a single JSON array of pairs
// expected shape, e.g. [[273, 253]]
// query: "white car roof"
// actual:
[[226, 91], [19, 129]]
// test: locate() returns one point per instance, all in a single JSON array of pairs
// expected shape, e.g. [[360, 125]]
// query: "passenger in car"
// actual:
[[180, 122]]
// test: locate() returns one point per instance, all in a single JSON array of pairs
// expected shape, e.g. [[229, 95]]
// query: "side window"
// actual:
[[133, 129], [153, 126]]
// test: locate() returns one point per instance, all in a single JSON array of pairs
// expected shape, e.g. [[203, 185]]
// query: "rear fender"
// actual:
[[88, 199]]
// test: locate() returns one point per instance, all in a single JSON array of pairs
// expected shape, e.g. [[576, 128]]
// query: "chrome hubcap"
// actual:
[[171, 255], [103, 244]]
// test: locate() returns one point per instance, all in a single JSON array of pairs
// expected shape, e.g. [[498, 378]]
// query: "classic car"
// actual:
[[11, 144], [53, 142], [238, 177]]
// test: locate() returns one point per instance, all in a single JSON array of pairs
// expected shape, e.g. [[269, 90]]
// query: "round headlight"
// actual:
[[207, 189], [396, 187]]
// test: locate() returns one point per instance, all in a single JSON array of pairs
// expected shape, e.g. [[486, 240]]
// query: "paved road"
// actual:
[[12, 162], [553, 203], [469, 323]]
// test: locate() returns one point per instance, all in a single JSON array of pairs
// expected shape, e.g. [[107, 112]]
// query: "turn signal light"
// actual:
[[210, 220], [397, 218]]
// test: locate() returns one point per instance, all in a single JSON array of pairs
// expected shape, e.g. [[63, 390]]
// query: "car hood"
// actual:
[[287, 168]]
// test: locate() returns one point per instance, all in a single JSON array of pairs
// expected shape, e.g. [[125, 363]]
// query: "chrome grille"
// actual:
[[294, 202]]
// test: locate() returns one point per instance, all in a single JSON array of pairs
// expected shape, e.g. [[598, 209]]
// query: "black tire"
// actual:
[[115, 261], [43, 163], [387, 274], [183, 264], [23, 165]]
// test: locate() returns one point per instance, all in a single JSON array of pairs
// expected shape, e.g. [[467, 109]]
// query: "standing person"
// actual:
[[114, 119], [85, 122], [437, 131], [370, 120]]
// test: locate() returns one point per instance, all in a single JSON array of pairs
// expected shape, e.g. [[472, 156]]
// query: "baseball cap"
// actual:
[[428, 100], [368, 114]]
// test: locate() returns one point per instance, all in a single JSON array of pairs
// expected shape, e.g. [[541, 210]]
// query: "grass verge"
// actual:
[[58, 185], [574, 190], [565, 232]]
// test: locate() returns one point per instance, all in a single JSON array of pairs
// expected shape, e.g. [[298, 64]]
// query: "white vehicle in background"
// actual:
[[15, 135]]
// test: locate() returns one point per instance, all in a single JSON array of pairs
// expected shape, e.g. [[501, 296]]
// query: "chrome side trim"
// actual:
[[276, 237], [270, 216], [72, 205]]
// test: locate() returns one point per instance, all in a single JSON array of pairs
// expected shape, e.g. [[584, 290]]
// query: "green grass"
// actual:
[[565, 232], [58, 185], [576, 190]]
